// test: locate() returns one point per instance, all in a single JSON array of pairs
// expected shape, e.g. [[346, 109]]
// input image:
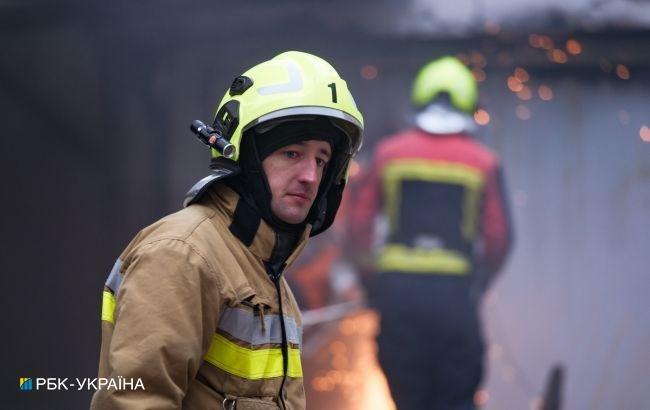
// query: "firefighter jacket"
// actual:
[[194, 310], [443, 199]]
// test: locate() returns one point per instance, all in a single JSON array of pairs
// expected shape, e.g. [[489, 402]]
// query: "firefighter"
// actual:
[[439, 195], [196, 307]]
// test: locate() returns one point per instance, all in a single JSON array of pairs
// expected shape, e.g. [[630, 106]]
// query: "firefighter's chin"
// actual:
[[292, 209]]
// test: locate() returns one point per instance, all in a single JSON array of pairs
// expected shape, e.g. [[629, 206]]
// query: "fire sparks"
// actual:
[[514, 84], [573, 47], [481, 398], [540, 41], [369, 72], [605, 65], [523, 112], [479, 74], [557, 55], [545, 93], [644, 133], [622, 72], [481, 117], [525, 94], [521, 74]]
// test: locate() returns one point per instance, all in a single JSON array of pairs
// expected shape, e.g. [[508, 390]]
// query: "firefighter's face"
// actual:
[[294, 173]]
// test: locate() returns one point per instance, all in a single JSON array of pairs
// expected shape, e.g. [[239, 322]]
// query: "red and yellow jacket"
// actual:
[[442, 197]]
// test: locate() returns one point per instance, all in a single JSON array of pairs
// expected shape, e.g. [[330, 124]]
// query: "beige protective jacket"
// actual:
[[190, 311]]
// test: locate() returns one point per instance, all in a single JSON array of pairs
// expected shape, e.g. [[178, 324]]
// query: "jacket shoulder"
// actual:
[[482, 151], [179, 226], [193, 235], [452, 147], [182, 224]]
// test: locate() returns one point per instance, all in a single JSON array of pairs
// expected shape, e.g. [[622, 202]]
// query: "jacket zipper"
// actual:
[[285, 345], [274, 271]]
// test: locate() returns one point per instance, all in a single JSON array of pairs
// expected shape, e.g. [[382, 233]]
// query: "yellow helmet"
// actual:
[[446, 75], [291, 84]]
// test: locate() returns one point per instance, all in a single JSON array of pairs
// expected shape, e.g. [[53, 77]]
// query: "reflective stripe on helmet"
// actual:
[[355, 142], [294, 83]]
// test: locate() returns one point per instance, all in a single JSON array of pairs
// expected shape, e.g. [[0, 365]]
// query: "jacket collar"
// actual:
[[247, 226]]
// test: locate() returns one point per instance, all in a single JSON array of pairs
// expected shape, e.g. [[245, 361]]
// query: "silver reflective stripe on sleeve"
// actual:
[[115, 277], [244, 326]]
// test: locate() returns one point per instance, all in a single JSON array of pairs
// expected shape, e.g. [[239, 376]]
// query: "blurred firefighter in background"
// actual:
[[433, 204]]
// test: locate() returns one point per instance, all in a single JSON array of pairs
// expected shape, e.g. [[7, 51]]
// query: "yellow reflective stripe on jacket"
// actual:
[[111, 287], [108, 307], [434, 171], [437, 261], [253, 364]]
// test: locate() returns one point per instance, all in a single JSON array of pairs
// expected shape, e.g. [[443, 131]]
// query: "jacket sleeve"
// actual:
[[496, 225], [166, 312]]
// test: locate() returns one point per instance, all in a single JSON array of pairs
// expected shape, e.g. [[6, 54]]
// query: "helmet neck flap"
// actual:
[[440, 116]]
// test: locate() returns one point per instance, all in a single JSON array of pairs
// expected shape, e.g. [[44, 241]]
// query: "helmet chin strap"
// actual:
[[441, 119]]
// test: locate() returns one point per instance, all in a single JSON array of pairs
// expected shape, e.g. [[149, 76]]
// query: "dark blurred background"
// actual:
[[96, 99]]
